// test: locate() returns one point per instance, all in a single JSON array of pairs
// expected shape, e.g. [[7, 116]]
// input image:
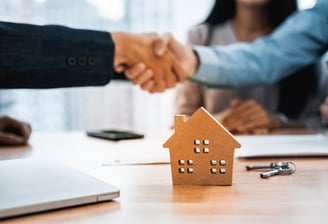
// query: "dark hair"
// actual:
[[224, 10]]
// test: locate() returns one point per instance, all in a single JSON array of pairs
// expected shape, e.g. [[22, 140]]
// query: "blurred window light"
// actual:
[[306, 4], [111, 9]]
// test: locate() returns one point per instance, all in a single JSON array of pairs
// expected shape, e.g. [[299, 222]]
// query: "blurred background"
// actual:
[[118, 104]]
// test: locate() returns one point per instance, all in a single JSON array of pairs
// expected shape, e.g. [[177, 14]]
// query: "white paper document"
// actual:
[[150, 150], [135, 152], [282, 145]]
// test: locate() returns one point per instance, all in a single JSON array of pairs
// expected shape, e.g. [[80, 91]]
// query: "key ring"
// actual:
[[274, 168], [291, 169], [284, 170]]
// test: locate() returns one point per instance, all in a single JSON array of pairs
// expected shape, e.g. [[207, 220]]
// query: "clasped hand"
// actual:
[[156, 63], [246, 117]]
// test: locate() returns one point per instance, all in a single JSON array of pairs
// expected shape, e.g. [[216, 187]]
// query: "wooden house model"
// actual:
[[201, 151]]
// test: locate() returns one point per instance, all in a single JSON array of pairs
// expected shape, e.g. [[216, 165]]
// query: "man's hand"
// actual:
[[246, 117], [13, 132], [324, 111], [183, 58], [158, 72], [185, 54]]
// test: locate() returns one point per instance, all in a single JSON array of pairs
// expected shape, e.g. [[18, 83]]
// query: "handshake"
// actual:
[[154, 62]]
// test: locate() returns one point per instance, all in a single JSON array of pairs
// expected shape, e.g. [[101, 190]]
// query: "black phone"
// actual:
[[114, 135]]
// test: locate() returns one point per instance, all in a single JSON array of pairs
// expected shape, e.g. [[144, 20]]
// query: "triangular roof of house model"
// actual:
[[200, 121]]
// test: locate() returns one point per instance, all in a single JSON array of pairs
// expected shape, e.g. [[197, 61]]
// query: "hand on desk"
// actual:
[[13, 132], [246, 117], [156, 72], [324, 111], [165, 62]]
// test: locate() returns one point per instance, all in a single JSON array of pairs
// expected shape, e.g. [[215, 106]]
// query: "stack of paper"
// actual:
[[283, 145]]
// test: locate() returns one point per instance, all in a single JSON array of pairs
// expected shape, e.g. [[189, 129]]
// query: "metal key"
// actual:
[[278, 171], [274, 165], [270, 173]]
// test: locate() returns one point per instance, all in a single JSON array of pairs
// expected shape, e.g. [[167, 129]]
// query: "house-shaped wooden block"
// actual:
[[201, 151]]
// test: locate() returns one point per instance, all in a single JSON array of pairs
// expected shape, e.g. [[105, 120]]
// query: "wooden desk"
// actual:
[[147, 195]]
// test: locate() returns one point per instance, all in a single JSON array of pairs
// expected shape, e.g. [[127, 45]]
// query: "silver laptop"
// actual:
[[30, 186]]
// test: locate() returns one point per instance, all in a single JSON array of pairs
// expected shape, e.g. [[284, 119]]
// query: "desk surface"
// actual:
[[147, 194]]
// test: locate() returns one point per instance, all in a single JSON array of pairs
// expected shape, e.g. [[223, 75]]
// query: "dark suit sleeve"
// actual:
[[53, 56]]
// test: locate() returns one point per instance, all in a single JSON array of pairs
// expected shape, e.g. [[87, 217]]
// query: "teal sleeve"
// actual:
[[301, 40]]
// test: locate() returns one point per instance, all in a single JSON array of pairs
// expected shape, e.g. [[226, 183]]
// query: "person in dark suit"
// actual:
[[55, 56]]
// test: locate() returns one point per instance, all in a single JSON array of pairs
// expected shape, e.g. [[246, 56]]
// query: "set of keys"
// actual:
[[275, 168]]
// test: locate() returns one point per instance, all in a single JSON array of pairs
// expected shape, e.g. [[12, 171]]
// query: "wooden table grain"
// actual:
[[147, 194]]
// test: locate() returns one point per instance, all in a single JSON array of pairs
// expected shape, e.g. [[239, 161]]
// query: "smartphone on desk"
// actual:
[[114, 135]]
